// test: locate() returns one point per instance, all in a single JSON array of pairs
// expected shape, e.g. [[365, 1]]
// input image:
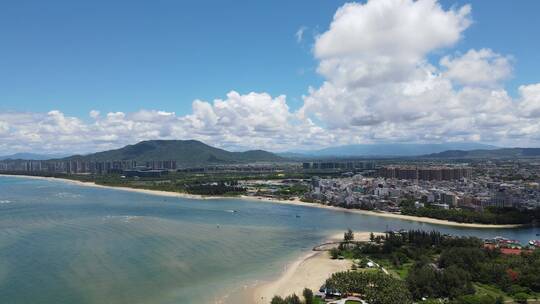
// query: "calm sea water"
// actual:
[[63, 243]]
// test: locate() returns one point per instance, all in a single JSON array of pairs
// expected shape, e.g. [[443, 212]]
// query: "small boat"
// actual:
[[297, 216]]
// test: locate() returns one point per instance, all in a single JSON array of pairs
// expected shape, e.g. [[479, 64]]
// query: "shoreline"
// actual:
[[309, 271], [295, 202]]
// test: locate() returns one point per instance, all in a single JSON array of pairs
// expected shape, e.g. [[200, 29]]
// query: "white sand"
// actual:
[[310, 271]]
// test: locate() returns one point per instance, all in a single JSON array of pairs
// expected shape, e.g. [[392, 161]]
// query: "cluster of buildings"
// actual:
[[425, 173], [339, 165], [84, 167], [439, 186], [133, 168], [511, 247]]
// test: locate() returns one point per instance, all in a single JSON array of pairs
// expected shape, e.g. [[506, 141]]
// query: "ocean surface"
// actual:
[[64, 243]]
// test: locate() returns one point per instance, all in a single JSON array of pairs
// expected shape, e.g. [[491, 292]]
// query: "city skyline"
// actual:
[[87, 78]]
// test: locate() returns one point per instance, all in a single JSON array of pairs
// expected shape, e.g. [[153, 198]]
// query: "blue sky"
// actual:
[[82, 76], [76, 56]]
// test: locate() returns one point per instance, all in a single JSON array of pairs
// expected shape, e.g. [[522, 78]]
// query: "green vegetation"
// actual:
[[293, 190], [334, 253], [488, 216], [292, 299], [219, 188], [375, 287], [348, 236], [201, 183], [184, 152], [434, 266], [308, 296]]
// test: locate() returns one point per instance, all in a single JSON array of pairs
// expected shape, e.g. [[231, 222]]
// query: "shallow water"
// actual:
[[64, 243]]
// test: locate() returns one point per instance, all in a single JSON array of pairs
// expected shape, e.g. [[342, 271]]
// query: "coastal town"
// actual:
[[478, 191], [476, 188]]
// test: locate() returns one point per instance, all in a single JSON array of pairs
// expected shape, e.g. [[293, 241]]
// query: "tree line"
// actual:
[[443, 267], [491, 215]]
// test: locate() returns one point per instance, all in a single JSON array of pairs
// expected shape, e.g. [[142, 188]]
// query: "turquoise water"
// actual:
[[63, 243]]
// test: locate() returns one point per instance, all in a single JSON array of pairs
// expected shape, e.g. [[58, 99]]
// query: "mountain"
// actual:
[[292, 155], [391, 149], [497, 153], [185, 152], [31, 156]]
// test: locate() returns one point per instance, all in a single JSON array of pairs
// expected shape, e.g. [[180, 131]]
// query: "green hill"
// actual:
[[185, 152], [497, 153]]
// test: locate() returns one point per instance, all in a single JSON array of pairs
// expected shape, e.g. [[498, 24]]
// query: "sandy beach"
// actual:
[[296, 202], [310, 271]]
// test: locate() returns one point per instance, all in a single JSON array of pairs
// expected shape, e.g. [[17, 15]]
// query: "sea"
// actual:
[[65, 243]]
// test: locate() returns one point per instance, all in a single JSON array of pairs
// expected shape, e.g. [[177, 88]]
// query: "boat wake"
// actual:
[[67, 195], [122, 218]]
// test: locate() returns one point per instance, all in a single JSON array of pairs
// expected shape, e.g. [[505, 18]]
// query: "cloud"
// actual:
[[373, 59], [478, 68], [4, 127], [380, 83], [300, 34], [94, 114], [243, 114], [385, 40], [236, 122], [395, 29], [530, 100]]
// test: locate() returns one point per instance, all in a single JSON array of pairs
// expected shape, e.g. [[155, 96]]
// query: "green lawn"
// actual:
[[403, 270], [484, 289], [318, 301], [400, 272]]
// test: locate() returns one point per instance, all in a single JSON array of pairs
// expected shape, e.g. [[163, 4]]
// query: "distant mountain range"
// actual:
[[482, 153], [184, 152], [195, 153], [386, 150], [31, 156]]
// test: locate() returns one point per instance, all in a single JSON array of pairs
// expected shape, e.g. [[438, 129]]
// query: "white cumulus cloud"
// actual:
[[379, 82], [254, 120], [530, 102], [482, 67], [384, 40]]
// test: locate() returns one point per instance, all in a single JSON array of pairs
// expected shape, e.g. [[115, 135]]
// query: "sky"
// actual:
[[78, 77]]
